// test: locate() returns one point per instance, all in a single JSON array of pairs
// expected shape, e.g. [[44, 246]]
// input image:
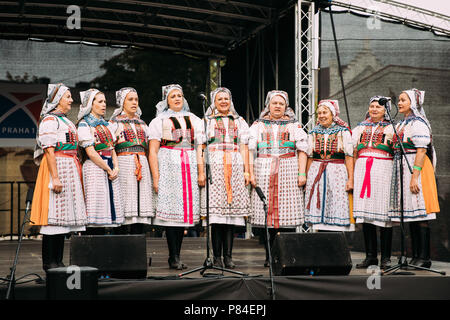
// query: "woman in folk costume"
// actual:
[[330, 171], [100, 171], [420, 199], [278, 146], [131, 136], [176, 136], [58, 202], [373, 154], [229, 199]]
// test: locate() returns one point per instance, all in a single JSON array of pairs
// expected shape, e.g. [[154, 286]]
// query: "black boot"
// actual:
[[180, 236], [59, 249], [272, 235], [424, 249], [370, 241], [217, 239], [172, 239], [48, 252], [386, 247], [415, 242], [228, 247], [137, 228], [263, 239]]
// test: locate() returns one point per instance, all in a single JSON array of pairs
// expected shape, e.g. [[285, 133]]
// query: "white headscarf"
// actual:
[[333, 105], [212, 110], [289, 112], [54, 94], [387, 106], [87, 97], [163, 105], [120, 98], [417, 97]]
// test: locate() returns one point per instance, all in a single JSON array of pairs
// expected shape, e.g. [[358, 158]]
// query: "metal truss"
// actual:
[[306, 62]]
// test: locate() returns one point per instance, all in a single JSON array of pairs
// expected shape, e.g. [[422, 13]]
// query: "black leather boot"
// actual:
[[137, 228], [228, 247], [172, 239], [424, 249], [59, 249], [217, 239], [48, 253], [386, 247], [370, 242], [263, 239], [415, 242], [180, 236]]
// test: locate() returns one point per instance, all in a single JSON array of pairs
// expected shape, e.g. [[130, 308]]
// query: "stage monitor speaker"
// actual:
[[118, 256], [321, 253], [72, 283]]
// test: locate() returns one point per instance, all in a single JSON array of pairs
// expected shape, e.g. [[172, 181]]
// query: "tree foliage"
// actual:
[[148, 70]]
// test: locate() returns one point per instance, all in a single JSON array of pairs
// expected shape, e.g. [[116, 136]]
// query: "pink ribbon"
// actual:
[[366, 182], [187, 184]]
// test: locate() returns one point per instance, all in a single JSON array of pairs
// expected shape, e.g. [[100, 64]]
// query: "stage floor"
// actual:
[[248, 255], [163, 284]]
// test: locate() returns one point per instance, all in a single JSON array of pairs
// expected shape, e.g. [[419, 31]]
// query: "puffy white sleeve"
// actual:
[[310, 149], [301, 138], [199, 129], [420, 134], [348, 145], [48, 132], [146, 130], [155, 129], [113, 127], [244, 131], [356, 133], [85, 136], [253, 136]]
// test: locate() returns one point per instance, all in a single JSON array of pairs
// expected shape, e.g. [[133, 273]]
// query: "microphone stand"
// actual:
[[402, 262], [12, 277], [208, 264], [263, 199]]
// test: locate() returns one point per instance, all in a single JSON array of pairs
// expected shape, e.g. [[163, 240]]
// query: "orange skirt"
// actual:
[[41, 196], [429, 188], [350, 205]]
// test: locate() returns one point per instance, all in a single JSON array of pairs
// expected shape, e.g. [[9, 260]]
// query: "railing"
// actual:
[[19, 208]]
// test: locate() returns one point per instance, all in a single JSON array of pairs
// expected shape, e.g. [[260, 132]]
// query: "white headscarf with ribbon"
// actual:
[[212, 110], [288, 112], [387, 106], [417, 97], [333, 105], [120, 99], [54, 94], [163, 106], [87, 98]]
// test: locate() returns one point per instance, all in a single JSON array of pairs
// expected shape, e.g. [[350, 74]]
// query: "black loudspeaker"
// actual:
[[321, 253], [118, 256], [72, 283]]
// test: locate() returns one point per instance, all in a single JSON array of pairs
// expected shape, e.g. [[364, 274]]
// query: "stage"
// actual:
[[163, 283]]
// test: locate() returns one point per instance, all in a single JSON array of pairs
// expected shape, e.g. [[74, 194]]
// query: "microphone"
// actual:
[[260, 194], [29, 198], [202, 96], [383, 101]]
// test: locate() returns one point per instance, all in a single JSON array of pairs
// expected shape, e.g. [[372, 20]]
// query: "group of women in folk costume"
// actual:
[[133, 174], [379, 168]]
